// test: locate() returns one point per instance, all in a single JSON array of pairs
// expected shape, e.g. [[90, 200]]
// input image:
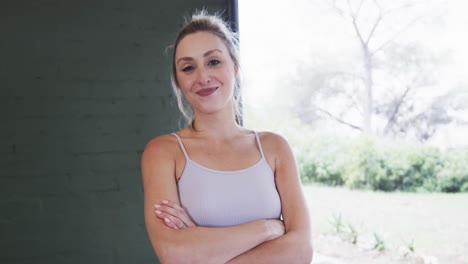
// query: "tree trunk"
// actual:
[[368, 86]]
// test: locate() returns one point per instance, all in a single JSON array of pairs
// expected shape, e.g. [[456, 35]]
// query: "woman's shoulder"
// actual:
[[271, 138], [273, 142], [162, 145]]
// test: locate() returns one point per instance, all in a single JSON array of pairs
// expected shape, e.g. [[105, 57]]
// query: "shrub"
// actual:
[[369, 163], [453, 175]]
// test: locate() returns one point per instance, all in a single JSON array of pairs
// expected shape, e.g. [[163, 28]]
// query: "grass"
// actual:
[[337, 223], [379, 242], [352, 234], [435, 223]]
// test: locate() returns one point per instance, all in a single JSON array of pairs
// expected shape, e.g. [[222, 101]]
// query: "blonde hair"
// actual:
[[202, 22]]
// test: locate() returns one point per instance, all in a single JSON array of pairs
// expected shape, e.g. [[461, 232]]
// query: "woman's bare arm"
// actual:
[[193, 244]]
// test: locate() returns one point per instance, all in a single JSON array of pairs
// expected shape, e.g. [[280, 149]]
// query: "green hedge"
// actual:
[[368, 163]]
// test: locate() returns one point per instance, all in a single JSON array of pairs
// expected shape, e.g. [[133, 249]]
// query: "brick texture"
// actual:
[[83, 86]]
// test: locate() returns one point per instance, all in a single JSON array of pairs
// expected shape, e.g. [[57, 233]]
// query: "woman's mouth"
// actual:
[[206, 91]]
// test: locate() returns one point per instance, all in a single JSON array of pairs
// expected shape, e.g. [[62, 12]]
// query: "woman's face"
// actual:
[[205, 72]]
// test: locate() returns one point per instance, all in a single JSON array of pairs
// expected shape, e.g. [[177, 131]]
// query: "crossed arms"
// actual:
[[176, 239]]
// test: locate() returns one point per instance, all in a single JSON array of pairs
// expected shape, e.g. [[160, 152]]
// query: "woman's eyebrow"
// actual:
[[184, 59], [206, 54]]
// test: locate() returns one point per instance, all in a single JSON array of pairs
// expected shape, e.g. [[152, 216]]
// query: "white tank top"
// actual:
[[214, 198]]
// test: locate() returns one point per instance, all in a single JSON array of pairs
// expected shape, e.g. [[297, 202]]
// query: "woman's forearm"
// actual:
[[214, 245], [290, 248]]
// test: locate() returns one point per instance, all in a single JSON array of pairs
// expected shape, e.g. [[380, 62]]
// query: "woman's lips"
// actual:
[[206, 91]]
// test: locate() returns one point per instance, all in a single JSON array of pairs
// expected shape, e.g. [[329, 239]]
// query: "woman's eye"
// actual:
[[187, 68], [214, 62]]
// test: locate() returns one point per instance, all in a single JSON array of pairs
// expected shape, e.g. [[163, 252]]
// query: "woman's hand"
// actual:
[[173, 215], [276, 228]]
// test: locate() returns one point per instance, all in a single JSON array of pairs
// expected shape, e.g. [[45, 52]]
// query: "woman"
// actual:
[[214, 191]]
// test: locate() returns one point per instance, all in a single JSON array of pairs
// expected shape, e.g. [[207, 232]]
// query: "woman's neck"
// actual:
[[217, 126]]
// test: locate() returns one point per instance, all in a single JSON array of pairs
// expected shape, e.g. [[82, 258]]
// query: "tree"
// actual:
[[384, 85]]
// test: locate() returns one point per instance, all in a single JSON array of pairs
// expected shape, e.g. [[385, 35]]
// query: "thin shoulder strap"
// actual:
[[259, 144], [181, 145]]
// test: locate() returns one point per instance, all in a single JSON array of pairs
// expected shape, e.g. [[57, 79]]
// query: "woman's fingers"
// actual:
[[175, 210], [170, 210], [170, 224], [170, 220]]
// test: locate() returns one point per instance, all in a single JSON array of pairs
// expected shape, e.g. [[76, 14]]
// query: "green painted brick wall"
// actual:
[[83, 86]]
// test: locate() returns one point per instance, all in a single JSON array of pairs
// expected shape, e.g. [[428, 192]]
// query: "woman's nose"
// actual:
[[203, 76]]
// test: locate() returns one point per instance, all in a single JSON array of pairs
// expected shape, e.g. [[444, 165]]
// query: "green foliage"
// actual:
[[369, 163], [338, 226], [379, 242], [453, 176], [411, 247], [352, 234], [319, 163], [337, 223]]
